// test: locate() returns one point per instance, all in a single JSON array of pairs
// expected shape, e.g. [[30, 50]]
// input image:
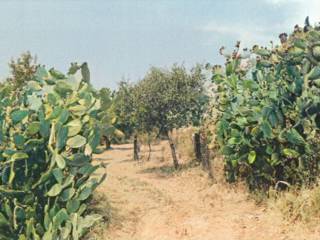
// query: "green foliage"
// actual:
[[123, 109], [162, 100], [22, 70], [105, 95], [168, 99], [107, 116], [47, 136], [269, 104]]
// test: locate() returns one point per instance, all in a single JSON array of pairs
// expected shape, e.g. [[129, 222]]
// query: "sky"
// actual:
[[122, 39]]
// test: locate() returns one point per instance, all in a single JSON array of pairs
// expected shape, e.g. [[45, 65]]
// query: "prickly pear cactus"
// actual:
[[269, 120], [48, 132]]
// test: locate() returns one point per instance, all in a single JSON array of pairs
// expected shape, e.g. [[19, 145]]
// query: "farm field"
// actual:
[[160, 120], [150, 201]]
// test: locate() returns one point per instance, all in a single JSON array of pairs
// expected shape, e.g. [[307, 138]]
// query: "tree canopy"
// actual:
[[168, 99]]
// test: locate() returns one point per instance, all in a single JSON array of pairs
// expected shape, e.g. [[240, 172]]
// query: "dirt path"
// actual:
[[151, 202]]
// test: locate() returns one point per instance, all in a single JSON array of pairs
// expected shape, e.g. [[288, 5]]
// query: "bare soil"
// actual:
[[151, 201]]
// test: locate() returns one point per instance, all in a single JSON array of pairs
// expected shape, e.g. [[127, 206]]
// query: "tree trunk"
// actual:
[[107, 142], [197, 146], [135, 148], [173, 152], [205, 154], [149, 156]]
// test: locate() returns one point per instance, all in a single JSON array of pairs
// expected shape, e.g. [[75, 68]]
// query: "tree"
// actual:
[[22, 70], [168, 99], [105, 116], [123, 108], [106, 98]]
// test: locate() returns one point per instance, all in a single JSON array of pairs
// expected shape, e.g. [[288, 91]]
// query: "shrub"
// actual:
[[269, 105], [48, 132]]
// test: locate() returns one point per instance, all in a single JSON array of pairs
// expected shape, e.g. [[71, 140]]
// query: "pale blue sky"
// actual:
[[124, 38]]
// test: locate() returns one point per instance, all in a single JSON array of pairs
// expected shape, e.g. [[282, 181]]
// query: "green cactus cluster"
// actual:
[[269, 111], [48, 133]]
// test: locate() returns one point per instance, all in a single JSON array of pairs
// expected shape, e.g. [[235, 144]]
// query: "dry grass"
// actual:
[[151, 137], [100, 205], [298, 205], [183, 139], [152, 200]]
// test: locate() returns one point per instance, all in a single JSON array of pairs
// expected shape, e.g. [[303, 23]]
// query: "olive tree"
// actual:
[[105, 117], [168, 99], [123, 108]]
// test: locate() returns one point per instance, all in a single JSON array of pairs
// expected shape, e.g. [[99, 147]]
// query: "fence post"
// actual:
[[197, 146], [135, 148], [205, 154]]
